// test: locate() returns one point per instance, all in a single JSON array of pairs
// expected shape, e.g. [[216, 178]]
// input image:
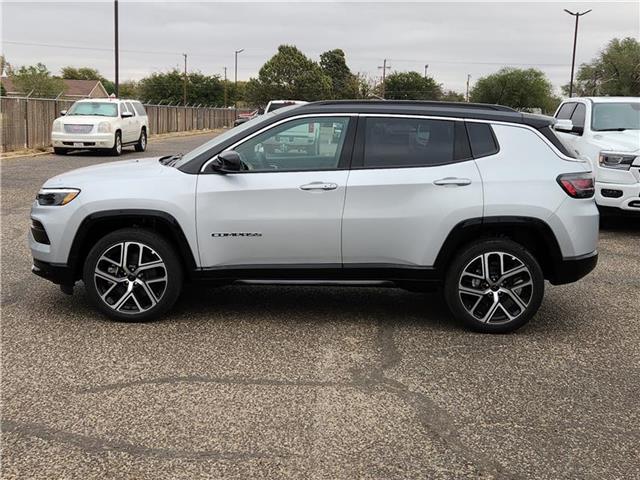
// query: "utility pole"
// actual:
[[115, 30], [184, 86], [235, 103], [384, 75], [425, 70], [575, 40], [225, 87], [468, 78]]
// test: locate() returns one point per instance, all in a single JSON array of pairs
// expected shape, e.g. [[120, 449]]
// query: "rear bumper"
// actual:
[[58, 274], [570, 270]]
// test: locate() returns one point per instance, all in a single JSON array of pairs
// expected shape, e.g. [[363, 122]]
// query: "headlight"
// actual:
[[56, 196], [57, 126], [104, 127], [617, 161]]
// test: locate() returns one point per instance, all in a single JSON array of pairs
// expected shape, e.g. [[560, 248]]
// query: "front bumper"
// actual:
[[627, 196], [570, 270], [76, 140], [58, 274]]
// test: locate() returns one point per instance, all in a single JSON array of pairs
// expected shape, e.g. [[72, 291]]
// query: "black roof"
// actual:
[[479, 111]]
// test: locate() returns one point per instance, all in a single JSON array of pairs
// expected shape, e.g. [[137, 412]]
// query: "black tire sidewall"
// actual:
[[139, 146], [114, 150], [469, 253], [166, 252]]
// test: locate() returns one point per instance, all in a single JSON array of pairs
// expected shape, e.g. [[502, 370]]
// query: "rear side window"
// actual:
[[130, 107], [139, 109], [407, 142], [578, 115], [565, 111], [483, 141]]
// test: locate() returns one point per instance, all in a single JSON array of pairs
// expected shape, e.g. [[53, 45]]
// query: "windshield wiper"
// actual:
[[170, 160]]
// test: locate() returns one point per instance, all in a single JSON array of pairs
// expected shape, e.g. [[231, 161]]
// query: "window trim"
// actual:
[[131, 109], [584, 122], [357, 162], [344, 162]]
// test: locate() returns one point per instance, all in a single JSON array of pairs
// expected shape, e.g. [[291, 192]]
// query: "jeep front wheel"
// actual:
[[494, 286], [132, 275]]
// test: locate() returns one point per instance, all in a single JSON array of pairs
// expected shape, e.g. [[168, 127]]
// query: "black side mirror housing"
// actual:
[[577, 129], [127, 114], [227, 162]]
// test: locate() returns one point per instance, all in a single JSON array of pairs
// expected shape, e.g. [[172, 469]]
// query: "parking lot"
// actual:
[[313, 382]]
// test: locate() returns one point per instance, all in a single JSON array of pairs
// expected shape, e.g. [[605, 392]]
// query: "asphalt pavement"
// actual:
[[253, 382]]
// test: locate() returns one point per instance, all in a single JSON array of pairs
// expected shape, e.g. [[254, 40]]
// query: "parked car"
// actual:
[[606, 130], [101, 124], [245, 117], [480, 200]]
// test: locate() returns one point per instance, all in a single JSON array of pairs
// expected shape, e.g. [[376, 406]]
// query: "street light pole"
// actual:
[[115, 24], [425, 70], [225, 87], [468, 78], [184, 84], [235, 103], [575, 40], [384, 76]]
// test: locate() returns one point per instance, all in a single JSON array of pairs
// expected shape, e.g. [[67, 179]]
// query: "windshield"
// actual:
[[223, 137], [616, 116], [101, 109]]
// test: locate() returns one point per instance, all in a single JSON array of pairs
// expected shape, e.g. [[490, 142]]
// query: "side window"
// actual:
[[482, 140], [579, 115], [565, 111], [303, 144], [139, 109], [407, 142], [130, 107], [123, 108]]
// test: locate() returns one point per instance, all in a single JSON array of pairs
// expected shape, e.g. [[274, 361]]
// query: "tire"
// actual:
[[116, 150], [488, 304], [60, 151], [141, 146], [140, 294]]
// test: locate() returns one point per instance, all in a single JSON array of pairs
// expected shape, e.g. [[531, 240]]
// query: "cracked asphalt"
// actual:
[[313, 382]]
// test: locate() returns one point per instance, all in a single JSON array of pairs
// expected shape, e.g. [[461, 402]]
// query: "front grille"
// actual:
[[77, 128], [84, 144], [39, 233]]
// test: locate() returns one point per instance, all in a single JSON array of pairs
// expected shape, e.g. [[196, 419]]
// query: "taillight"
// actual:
[[577, 185], [311, 127]]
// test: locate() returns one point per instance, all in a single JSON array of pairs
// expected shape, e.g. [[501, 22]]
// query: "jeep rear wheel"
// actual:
[[494, 286], [132, 275]]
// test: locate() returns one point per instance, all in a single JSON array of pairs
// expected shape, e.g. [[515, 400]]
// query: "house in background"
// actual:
[[73, 89]]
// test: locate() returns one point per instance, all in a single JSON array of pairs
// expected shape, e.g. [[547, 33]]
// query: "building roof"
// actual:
[[72, 88]]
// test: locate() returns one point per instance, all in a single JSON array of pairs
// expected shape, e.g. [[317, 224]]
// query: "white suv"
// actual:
[[606, 130], [478, 199], [106, 124]]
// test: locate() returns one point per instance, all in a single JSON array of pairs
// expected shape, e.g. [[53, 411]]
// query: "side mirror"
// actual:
[[127, 114], [227, 162], [577, 129], [563, 126], [63, 113]]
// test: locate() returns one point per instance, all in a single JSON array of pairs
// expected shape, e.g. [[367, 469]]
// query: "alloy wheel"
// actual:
[[495, 287], [130, 277]]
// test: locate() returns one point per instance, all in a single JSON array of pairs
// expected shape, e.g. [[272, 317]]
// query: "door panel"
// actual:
[[408, 189], [278, 222]]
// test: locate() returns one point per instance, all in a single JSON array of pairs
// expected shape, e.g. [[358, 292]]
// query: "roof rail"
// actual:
[[432, 103]]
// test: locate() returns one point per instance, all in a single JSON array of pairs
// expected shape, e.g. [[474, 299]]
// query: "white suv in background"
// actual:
[[606, 130], [478, 199], [104, 124]]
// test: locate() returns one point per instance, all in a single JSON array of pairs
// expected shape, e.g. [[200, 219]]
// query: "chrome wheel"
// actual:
[[143, 141], [495, 287], [130, 277], [118, 144]]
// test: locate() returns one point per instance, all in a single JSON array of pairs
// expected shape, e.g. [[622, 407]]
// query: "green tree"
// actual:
[[615, 71], [128, 89], [344, 84], [168, 88], [290, 75], [37, 81], [515, 87], [85, 73], [452, 96], [411, 86]]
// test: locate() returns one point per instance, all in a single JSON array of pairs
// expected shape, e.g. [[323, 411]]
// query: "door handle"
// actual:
[[452, 182], [319, 186]]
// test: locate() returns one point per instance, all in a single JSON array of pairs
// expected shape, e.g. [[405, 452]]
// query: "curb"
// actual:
[[159, 136]]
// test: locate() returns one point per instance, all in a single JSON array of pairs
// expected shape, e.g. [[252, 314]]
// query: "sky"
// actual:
[[455, 39]]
